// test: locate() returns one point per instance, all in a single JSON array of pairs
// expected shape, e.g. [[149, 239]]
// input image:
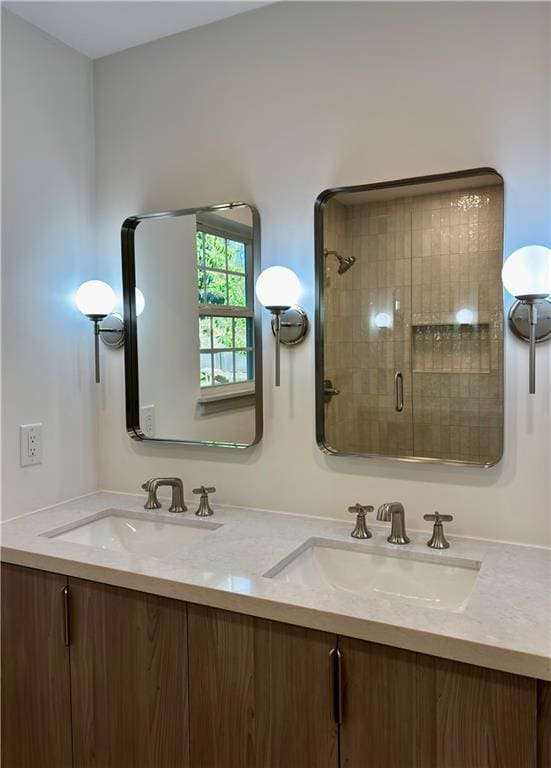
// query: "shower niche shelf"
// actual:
[[451, 348]]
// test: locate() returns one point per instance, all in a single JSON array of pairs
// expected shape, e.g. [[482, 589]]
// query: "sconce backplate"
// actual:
[[111, 331], [294, 326], [518, 320]]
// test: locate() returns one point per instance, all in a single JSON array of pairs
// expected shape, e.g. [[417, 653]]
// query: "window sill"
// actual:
[[227, 400]]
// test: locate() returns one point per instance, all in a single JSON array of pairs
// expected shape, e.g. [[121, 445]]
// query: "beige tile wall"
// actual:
[[420, 260]]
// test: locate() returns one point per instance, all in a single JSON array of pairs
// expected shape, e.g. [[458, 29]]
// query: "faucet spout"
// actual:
[[395, 513], [152, 485]]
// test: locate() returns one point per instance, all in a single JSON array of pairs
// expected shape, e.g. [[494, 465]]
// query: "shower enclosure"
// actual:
[[410, 319]]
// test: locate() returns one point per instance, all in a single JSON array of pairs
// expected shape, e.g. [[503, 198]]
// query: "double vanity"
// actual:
[[252, 638], [204, 636]]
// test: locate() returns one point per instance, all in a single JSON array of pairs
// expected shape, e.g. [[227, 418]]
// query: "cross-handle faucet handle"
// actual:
[[438, 540], [152, 500], [204, 509], [361, 531]]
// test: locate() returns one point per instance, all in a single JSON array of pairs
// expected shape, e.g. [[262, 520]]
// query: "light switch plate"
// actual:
[[30, 444]]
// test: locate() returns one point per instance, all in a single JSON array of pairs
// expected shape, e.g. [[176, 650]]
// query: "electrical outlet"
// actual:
[[147, 420], [30, 444]]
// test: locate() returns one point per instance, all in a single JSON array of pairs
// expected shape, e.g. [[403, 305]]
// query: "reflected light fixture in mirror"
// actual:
[[464, 316], [526, 275], [383, 320], [140, 302], [111, 329], [278, 290]]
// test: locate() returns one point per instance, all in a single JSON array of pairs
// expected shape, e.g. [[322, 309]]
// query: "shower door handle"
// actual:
[[398, 391]]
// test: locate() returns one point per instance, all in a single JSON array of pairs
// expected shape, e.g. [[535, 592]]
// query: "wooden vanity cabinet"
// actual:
[[155, 683], [36, 696]]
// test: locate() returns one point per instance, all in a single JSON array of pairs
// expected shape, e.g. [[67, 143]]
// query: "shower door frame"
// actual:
[[319, 206]]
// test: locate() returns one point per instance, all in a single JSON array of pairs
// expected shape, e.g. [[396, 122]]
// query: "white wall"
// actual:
[[47, 193], [168, 342], [273, 106]]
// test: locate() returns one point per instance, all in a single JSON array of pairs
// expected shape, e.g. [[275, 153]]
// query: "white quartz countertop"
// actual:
[[505, 625]]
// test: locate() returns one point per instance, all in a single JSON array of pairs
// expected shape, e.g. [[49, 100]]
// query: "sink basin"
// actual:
[[426, 580], [139, 534]]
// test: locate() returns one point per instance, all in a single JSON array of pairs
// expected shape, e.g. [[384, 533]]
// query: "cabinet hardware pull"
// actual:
[[65, 594], [398, 391], [336, 676]]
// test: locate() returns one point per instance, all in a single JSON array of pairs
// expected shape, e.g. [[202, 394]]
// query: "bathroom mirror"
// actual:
[[193, 365], [409, 319]]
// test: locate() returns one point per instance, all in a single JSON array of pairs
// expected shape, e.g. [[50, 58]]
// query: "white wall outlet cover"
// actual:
[[147, 420], [30, 444]]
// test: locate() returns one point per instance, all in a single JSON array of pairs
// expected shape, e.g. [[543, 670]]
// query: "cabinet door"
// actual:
[[406, 710], [475, 717], [544, 724], [36, 703], [128, 678], [379, 706], [294, 718], [260, 693]]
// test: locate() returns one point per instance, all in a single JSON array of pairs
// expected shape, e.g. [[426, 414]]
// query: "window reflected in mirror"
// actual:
[[225, 302]]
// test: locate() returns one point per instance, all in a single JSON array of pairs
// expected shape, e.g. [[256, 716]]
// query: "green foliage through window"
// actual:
[[226, 348], [221, 270]]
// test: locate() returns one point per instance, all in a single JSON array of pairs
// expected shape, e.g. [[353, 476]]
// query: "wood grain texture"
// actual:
[[36, 703], [294, 721], [221, 686], [128, 678], [544, 724], [471, 717], [379, 697], [407, 710], [259, 693]]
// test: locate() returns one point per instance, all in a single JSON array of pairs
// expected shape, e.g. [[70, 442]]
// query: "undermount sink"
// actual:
[[138, 534], [426, 580]]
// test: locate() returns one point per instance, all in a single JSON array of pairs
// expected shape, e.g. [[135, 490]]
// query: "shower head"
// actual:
[[345, 262]]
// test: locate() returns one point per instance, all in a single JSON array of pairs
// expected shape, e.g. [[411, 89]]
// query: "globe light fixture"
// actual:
[[526, 275], [464, 316], [278, 290], [96, 300], [383, 320], [140, 302]]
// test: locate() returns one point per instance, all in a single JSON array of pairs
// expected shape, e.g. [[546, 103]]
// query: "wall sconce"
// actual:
[[96, 300], [527, 276], [278, 290]]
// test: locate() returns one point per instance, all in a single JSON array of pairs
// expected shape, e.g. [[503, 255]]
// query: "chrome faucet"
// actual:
[[394, 512], [151, 486]]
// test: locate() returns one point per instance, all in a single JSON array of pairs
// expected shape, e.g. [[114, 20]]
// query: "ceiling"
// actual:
[[102, 27]]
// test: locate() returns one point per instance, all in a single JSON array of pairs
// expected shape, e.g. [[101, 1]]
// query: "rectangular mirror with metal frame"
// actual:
[[409, 319], [193, 365]]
